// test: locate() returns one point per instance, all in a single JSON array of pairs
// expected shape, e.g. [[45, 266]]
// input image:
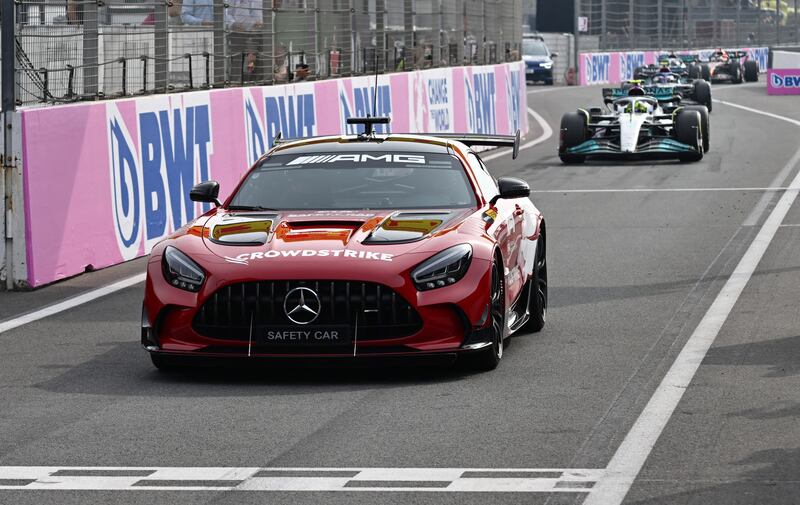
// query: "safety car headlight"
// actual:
[[546, 64], [443, 269], [180, 271]]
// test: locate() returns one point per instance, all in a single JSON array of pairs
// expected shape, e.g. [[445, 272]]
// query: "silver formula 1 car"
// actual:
[[636, 126]]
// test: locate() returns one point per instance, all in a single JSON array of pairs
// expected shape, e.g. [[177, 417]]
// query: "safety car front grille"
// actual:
[[232, 311]]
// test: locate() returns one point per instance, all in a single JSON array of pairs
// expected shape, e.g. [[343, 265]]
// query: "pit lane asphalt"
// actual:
[[631, 274]]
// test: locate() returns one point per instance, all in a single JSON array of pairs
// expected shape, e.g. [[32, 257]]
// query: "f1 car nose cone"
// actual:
[[302, 305]]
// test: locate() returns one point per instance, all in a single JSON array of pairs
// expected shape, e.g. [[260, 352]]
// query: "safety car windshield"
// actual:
[[371, 180]]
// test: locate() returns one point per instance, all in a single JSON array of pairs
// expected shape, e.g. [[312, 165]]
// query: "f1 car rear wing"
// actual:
[[662, 94], [470, 139]]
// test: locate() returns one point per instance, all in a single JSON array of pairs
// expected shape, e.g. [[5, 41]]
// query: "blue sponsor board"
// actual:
[[482, 94], [628, 63], [597, 67], [362, 103], [150, 185], [438, 92], [294, 116]]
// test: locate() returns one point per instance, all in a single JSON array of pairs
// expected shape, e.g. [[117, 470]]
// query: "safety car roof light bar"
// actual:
[[369, 123]]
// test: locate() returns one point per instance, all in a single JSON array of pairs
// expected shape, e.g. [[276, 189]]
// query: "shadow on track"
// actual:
[[125, 370]]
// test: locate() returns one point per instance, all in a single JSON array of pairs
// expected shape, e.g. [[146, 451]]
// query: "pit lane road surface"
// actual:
[[639, 253]]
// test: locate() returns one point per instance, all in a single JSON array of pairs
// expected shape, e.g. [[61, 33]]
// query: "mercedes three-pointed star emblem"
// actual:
[[302, 305]]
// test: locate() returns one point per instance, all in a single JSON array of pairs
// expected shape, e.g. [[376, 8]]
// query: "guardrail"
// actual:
[[105, 181]]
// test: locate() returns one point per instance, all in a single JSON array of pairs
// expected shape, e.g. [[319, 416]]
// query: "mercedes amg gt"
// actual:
[[351, 247]]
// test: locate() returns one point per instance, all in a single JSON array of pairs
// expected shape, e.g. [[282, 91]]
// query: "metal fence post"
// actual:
[[318, 59], [380, 35], [161, 47], [631, 25], [9, 103], [660, 18], [738, 21], [90, 48], [8, 54], [778, 22], [575, 44], [758, 23], [603, 25], [220, 61]]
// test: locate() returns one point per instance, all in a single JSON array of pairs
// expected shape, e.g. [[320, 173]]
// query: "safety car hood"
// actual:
[[327, 238], [629, 127]]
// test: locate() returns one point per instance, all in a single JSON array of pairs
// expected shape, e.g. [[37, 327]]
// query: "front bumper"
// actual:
[[535, 74], [665, 147], [453, 319]]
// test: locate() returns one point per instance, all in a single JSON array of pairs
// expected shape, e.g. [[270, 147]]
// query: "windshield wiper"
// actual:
[[251, 207]]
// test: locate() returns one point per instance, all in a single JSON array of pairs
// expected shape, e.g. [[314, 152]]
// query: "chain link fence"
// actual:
[[684, 24], [70, 50]]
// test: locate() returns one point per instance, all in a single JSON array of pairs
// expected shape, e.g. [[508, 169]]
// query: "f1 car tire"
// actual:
[[702, 93], [573, 133], [704, 124], [687, 124], [489, 357], [705, 72], [537, 298], [694, 72], [751, 71], [736, 73]]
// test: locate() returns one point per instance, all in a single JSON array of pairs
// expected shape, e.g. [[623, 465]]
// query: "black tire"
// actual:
[[704, 124], [489, 357], [687, 124], [736, 73], [694, 72], [702, 93], [537, 296], [573, 133], [705, 72], [164, 363], [751, 71]]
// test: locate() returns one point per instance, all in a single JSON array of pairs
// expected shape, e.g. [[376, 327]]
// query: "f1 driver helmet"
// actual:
[[636, 91]]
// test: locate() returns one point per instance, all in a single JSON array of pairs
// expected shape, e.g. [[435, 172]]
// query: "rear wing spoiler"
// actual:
[[659, 93], [470, 140]]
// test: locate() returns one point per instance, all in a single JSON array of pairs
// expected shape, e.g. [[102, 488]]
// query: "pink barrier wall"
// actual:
[[616, 67], [783, 81], [106, 181]]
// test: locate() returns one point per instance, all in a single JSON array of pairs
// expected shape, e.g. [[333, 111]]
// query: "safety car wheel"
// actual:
[[489, 357], [537, 297], [751, 71], [688, 130]]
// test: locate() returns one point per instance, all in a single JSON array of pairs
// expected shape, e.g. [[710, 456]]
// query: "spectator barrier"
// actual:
[[616, 67], [104, 182]]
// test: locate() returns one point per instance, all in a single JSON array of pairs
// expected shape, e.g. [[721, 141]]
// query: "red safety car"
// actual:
[[353, 247]]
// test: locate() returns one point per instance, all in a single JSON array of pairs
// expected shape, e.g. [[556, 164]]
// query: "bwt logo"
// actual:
[[785, 81], [293, 116], [513, 91], [481, 98], [361, 106], [761, 55], [150, 185], [597, 68], [628, 63]]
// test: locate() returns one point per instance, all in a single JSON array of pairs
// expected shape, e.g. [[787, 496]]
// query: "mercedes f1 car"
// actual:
[[636, 125], [690, 91], [349, 247]]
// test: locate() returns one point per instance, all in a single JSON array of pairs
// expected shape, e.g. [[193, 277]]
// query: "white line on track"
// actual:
[[547, 132], [71, 303], [657, 190], [474, 480], [634, 450]]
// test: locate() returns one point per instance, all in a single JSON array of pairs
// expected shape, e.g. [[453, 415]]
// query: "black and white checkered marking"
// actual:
[[471, 480]]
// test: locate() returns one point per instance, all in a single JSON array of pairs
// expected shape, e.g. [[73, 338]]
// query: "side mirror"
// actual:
[[207, 191], [511, 187], [553, 55]]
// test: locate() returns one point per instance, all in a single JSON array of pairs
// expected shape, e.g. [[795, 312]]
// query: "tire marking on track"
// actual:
[[547, 132], [70, 303], [473, 480], [634, 450]]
